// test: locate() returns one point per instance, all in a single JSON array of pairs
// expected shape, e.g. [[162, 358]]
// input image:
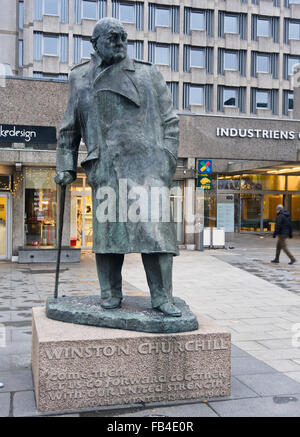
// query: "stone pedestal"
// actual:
[[76, 366]]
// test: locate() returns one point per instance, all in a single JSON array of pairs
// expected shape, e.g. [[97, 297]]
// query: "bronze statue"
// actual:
[[122, 109]]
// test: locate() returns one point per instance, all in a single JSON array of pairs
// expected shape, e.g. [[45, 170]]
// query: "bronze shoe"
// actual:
[[169, 310], [111, 303]]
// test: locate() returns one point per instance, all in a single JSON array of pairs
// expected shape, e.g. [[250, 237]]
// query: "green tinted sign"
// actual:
[[205, 182]]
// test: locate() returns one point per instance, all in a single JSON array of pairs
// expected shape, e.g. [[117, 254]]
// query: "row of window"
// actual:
[[168, 16], [228, 97], [167, 54], [235, 97]]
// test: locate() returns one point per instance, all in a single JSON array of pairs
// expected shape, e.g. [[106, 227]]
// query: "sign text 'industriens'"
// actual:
[[269, 134]]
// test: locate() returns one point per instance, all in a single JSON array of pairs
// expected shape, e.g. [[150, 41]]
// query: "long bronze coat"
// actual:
[[124, 115]]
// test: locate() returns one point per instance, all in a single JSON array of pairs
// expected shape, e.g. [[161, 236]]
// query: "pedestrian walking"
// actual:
[[283, 230]]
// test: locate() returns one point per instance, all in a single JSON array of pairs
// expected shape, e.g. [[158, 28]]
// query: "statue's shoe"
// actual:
[[111, 303], [169, 310]]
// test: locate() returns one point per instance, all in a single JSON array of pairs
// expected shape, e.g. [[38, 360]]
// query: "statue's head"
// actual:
[[109, 40]]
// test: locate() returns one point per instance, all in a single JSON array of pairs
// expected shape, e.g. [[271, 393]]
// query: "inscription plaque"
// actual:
[[81, 366]]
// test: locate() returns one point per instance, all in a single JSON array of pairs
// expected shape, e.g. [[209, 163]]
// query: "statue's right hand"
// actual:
[[64, 177]]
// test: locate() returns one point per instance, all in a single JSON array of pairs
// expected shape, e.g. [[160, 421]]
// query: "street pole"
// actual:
[[61, 220]]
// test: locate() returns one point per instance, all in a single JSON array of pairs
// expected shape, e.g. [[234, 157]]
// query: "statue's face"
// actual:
[[111, 45]]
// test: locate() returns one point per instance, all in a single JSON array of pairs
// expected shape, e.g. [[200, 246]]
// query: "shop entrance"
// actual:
[[5, 226], [258, 212], [81, 234]]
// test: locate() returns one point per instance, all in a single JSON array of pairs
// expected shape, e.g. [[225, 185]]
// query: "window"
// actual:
[[166, 16], [263, 27], [89, 9], [40, 208], [21, 15], [290, 98], [127, 14], [197, 58], [231, 24], [173, 87], [294, 30], [200, 95], [291, 63], [50, 45], [230, 97], [262, 99], [231, 61], [131, 49], [196, 95], [162, 55], [263, 64], [162, 17], [135, 49], [197, 20], [51, 7], [86, 48], [41, 75], [20, 53]]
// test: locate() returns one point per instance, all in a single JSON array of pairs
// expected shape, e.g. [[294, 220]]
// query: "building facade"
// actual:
[[229, 66], [234, 57]]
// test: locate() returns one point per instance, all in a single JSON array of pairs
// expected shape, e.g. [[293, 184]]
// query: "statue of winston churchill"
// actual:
[[122, 109]]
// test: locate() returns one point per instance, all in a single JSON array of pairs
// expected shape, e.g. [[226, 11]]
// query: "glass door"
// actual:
[[295, 211], [5, 226], [269, 211], [250, 212], [177, 202]]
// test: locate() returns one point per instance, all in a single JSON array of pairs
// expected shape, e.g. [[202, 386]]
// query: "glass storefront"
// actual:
[[255, 199], [81, 233], [40, 208]]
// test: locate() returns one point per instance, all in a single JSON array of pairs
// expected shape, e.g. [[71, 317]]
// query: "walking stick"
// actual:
[[61, 219]]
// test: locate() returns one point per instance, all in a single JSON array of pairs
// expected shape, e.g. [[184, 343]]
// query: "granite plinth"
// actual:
[[76, 366], [135, 314]]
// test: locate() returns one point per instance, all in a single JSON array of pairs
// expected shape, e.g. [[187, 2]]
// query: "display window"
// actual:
[[40, 208]]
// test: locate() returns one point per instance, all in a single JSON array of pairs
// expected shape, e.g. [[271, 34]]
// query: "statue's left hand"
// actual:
[[64, 178]]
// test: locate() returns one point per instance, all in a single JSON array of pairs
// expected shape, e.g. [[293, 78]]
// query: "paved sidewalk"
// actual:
[[261, 316]]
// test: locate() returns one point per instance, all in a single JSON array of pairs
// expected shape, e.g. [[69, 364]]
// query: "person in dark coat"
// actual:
[[283, 230], [122, 109]]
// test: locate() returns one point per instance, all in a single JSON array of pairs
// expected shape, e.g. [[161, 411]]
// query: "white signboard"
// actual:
[[225, 216]]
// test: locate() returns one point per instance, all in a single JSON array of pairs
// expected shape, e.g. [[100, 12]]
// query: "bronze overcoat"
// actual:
[[124, 115]]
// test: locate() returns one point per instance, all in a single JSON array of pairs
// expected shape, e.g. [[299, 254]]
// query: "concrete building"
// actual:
[[234, 57], [228, 66]]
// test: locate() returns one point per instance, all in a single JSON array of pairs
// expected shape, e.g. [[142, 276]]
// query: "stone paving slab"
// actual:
[[248, 366], [270, 384], [285, 406], [24, 404], [4, 404], [16, 380], [190, 410]]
